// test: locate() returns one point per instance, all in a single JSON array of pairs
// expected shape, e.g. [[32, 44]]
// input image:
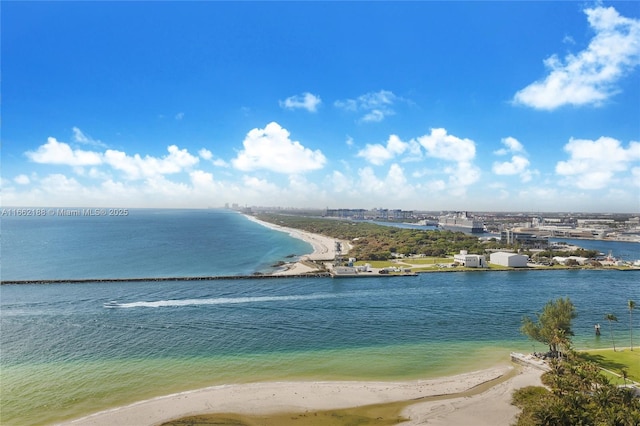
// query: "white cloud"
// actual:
[[179, 116], [306, 101], [200, 178], [272, 149], [518, 165], [22, 180], [511, 145], [375, 105], [589, 77], [260, 186], [461, 176], [54, 152], [62, 186], [635, 176], [137, 167], [392, 187], [378, 154], [374, 116], [205, 154], [369, 183], [339, 182], [441, 145], [593, 164], [80, 137]]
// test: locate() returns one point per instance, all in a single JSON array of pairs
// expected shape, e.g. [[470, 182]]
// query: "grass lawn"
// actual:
[[616, 361]]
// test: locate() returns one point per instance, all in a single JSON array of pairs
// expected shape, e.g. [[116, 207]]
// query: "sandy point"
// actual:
[[490, 407], [324, 248]]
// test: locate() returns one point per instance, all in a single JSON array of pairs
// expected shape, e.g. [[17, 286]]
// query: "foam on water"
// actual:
[[216, 301]]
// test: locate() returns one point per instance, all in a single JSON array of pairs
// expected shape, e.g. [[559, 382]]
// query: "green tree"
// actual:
[[631, 305], [611, 318], [553, 326], [576, 393]]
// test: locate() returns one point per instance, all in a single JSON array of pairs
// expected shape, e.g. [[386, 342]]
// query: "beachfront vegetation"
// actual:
[[553, 325], [576, 393], [370, 241]]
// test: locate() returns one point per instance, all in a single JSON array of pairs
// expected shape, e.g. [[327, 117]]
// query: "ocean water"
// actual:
[[68, 350], [145, 243]]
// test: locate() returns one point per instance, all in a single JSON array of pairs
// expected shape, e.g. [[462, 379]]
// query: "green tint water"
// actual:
[[52, 392]]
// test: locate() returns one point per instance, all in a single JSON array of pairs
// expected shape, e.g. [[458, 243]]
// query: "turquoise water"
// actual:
[[72, 349]]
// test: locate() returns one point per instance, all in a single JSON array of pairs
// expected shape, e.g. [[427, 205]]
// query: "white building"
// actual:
[[563, 260], [344, 270], [470, 260], [510, 260]]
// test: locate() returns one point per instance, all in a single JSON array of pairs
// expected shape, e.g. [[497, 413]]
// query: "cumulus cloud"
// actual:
[[307, 101], [55, 152], [375, 105], [272, 149], [593, 164], [179, 116], [461, 175], [441, 145], [590, 76], [22, 180], [393, 186], [518, 165], [378, 154], [512, 145], [205, 154], [137, 167]]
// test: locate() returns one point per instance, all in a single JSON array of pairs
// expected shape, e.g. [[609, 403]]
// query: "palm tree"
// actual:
[[631, 305], [610, 318]]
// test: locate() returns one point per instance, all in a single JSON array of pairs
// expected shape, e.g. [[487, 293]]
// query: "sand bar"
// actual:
[[274, 397]]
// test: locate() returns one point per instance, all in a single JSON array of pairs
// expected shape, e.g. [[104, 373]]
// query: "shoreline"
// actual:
[[323, 248], [479, 395]]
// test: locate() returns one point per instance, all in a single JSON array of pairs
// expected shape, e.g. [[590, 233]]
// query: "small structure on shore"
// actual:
[[470, 260]]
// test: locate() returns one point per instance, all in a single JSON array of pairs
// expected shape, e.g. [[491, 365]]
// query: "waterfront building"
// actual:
[[470, 260], [511, 260], [524, 239]]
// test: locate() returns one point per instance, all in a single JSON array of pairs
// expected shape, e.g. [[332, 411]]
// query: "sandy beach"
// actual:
[[323, 248], [456, 403]]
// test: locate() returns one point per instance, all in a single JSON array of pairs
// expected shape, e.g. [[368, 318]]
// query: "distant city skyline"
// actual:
[[432, 106]]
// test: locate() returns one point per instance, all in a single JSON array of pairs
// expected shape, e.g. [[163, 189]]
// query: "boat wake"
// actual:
[[214, 301]]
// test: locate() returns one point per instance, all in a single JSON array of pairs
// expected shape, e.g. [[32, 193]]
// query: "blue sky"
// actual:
[[481, 106]]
